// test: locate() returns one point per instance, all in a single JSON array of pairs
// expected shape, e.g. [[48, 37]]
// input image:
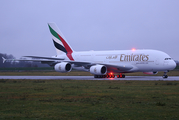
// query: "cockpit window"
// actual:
[[168, 58]]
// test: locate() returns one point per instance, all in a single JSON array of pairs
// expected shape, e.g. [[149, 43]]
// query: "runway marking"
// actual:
[[170, 78]]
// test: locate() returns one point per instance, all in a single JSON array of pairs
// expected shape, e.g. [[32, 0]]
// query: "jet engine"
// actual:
[[150, 73], [98, 69], [63, 67]]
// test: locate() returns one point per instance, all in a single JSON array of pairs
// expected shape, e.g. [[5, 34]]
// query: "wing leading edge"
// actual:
[[53, 60]]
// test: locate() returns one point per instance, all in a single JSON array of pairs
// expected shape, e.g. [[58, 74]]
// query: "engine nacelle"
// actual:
[[150, 73], [63, 67], [98, 70]]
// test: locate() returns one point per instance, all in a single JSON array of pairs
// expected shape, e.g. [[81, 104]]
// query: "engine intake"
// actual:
[[98, 70], [63, 67], [150, 73]]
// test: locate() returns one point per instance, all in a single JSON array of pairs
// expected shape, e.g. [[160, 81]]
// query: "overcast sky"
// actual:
[[89, 25]]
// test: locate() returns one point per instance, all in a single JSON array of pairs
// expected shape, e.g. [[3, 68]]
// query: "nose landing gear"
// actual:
[[165, 75]]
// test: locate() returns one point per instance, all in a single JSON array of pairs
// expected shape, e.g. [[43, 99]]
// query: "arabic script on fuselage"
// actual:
[[131, 57]]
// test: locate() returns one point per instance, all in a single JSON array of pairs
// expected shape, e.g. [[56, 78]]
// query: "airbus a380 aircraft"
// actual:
[[105, 63]]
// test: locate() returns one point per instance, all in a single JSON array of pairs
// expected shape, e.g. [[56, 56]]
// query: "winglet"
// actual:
[[4, 60]]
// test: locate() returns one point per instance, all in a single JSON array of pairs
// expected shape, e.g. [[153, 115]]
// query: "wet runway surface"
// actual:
[[170, 78]]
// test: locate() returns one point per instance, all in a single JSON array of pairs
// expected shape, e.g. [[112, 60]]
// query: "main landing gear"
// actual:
[[109, 76], [165, 75], [121, 76], [104, 76]]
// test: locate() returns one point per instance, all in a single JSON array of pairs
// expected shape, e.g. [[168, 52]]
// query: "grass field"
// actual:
[[96, 100]]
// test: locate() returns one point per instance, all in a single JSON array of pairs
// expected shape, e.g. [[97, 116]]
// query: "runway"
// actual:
[[170, 78]]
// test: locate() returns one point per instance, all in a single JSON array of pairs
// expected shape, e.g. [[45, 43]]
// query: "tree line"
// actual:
[[12, 64]]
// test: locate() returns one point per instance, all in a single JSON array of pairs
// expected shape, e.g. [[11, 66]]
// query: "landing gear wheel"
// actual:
[[99, 76], [120, 76], [109, 76], [165, 76]]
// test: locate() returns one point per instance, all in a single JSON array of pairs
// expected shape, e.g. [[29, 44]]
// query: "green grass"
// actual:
[[97, 100]]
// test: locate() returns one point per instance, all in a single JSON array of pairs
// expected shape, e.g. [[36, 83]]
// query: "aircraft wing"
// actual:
[[50, 58], [35, 60], [44, 60], [110, 67], [87, 64], [55, 60]]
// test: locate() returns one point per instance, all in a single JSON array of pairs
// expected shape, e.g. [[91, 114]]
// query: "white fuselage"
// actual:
[[140, 60]]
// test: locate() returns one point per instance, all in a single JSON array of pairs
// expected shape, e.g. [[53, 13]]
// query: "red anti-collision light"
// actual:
[[133, 49]]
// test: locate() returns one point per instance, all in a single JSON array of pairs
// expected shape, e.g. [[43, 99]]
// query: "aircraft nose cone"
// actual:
[[172, 64]]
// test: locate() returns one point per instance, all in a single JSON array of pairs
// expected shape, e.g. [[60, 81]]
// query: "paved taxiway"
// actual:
[[170, 78]]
